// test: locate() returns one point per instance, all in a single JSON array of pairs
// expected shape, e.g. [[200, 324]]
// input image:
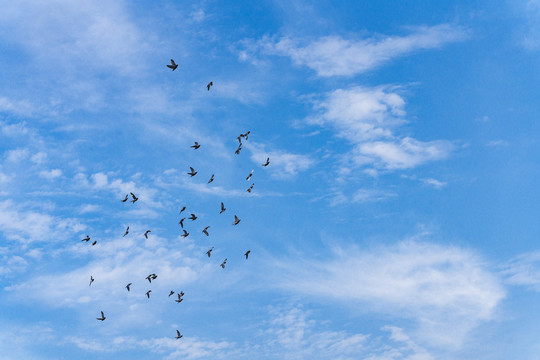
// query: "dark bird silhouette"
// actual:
[[239, 138], [196, 146], [209, 252], [94, 243], [154, 276], [127, 231], [222, 208], [125, 199], [102, 317], [173, 65], [247, 254], [148, 293], [127, 286], [149, 278], [192, 217], [250, 188], [134, 198], [184, 208], [211, 83], [91, 280], [87, 238], [205, 231], [179, 298], [193, 172], [211, 179], [171, 293], [236, 220], [238, 150], [223, 264], [182, 222], [267, 162], [246, 134], [249, 176], [178, 335], [146, 233], [185, 234]]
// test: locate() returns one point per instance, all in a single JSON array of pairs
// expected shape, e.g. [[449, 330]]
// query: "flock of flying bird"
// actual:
[[192, 217]]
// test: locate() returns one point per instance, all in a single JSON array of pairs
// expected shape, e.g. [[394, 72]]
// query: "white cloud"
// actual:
[[524, 270], [437, 184], [284, 164], [50, 174], [39, 158], [335, 56], [16, 155], [21, 107]]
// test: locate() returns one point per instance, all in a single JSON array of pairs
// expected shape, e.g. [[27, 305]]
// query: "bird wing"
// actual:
[[192, 169], [172, 62]]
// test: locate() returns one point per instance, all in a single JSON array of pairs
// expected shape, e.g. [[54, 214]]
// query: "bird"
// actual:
[[149, 278], [134, 198], [91, 280], [178, 335], [246, 134], [146, 233], [193, 172], [205, 231], [102, 317], [211, 179], [127, 286], [236, 220], [127, 231], [172, 292], [238, 150], [148, 293], [154, 276], [267, 162], [185, 234], [192, 217], [94, 243], [196, 146], [250, 188], [211, 83], [173, 65], [247, 254], [209, 252], [249, 176], [87, 238], [239, 138], [181, 293], [183, 208], [222, 208], [223, 264], [125, 199], [179, 298], [182, 222]]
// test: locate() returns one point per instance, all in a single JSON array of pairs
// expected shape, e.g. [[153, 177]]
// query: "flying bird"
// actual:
[[211, 83], [134, 198], [102, 317], [245, 135], [149, 278], [250, 188], [196, 146], [173, 65], [193, 172], [185, 234], [236, 220], [171, 293], [179, 298], [223, 264], [205, 231], [146, 233], [182, 222], [192, 217], [267, 162], [239, 138], [127, 286], [249, 176], [211, 179], [222, 208], [94, 243], [91, 280], [238, 150], [154, 276], [184, 208], [209, 252], [127, 231], [247, 254], [148, 293], [178, 335], [125, 199], [87, 238]]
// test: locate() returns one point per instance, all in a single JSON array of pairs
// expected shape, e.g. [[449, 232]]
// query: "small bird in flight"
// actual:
[[179, 298], [211, 83], [148, 293], [183, 208], [238, 150], [171, 293], [250, 188], [91, 280], [87, 238], [102, 317], [146, 233], [196, 146], [267, 162], [239, 138], [247, 254], [249, 176], [134, 198], [182, 222], [205, 231], [125, 199], [193, 172], [178, 335], [127, 286], [236, 220], [94, 243], [127, 231], [223, 264], [173, 65], [222, 208], [185, 234], [209, 252], [149, 278], [246, 134], [211, 179], [192, 217]]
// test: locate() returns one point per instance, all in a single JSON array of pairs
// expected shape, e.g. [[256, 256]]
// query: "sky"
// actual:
[[397, 218]]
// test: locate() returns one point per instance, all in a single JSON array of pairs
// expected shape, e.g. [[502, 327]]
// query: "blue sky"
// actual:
[[397, 218]]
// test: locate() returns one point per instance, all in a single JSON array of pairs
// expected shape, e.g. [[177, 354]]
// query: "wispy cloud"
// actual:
[[285, 164], [524, 270]]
